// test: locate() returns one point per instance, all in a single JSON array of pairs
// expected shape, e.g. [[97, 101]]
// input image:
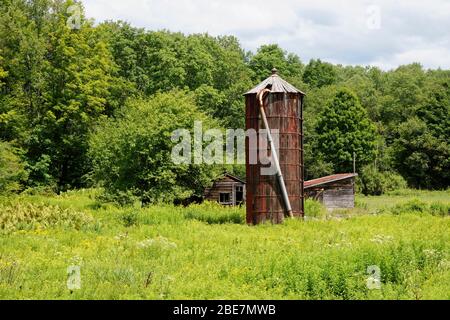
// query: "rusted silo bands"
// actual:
[[283, 112]]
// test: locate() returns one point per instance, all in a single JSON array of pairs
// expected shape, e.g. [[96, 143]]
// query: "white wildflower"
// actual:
[[430, 253], [158, 241], [121, 236], [379, 238]]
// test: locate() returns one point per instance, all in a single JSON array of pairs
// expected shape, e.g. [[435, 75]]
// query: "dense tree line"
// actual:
[[62, 87]]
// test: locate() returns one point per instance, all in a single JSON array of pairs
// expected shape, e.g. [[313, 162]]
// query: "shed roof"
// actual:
[[226, 174], [328, 179], [276, 84]]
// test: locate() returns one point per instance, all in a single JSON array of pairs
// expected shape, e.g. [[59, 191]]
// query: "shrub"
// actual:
[[440, 209], [16, 216], [393, 181], [12, 169], [46, 191], [374, 182], [130, 218], [118, 197], [418, 206]]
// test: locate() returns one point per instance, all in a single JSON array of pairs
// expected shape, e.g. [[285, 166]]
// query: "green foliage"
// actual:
[[374, 182], [57, 84], [343, 128], [129, 218], [169, 255], [211, 100], [318, 74], [365, 89], [272, 56], [60, 83], [314, 209], [422, 148], [162, 61], [214, 213], [393, 181], [3, 73], [123, 198], [12, 169], [418, 206], [315, 165], [404, 93], [132, 154], [29, 216]]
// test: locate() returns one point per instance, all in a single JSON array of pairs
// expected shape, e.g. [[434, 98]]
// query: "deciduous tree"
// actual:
[[343, 128]]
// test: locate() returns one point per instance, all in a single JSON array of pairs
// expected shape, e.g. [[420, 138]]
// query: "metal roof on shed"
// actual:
[[277, 84], [328, 179]]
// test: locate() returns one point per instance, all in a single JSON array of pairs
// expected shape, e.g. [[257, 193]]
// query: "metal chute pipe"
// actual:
[[287, 203]]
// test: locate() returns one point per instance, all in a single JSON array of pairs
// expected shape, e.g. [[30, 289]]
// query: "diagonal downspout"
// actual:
[[287, 203]]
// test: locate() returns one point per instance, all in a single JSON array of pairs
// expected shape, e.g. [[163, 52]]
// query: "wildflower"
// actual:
[[121, 236], [379, 238], [430, 253], [158, 241]]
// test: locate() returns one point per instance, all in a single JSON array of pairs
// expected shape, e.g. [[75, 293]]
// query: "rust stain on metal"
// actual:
[[284, 111], [329, 179]]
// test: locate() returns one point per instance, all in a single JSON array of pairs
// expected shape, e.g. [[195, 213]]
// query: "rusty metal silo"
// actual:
[[279, 105]]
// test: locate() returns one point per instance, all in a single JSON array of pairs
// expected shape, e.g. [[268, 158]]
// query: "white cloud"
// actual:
[[333, 30]]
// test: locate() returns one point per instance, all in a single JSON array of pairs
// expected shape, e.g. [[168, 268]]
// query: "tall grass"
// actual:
[[418, 206], [314, 209], [214, 213], [208, 252], [31, 216]]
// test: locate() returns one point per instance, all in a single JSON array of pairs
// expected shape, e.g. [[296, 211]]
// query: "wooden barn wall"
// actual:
[[226, 185], [339, 198], [334, 195]]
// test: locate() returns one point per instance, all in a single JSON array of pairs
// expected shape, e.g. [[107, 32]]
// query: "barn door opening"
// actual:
[[239, 194]]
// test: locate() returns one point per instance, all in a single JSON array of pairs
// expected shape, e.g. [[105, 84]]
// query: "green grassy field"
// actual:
[[207, 252]]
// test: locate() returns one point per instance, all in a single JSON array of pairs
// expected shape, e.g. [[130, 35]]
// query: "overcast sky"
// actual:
[[385, 33]]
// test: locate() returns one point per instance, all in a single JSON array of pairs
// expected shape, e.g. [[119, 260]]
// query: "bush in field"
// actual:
[[418, 206], [129, 218], [374, 182], [12, 169], [27, 216], [439, 209], [393, 181], [131, 156]]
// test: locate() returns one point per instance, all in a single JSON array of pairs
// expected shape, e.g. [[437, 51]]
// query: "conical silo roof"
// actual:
[[276, 84]]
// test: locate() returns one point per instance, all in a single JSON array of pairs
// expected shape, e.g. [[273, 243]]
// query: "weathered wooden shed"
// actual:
[[335, 192], [227, 190]]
